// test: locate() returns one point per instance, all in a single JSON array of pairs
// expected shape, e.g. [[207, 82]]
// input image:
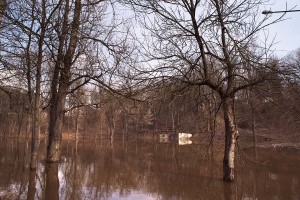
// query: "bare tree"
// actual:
[[61, 76], [88, 47], [206, 43], [28, 22]]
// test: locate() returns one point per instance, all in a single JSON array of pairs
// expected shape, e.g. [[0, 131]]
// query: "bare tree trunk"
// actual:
[[20, 123], [230, 139], [253, 121], [34, 151], [84, 122], [101, 127], [37, 97], [61, 80], [77, 123], [124, 130], [172, 110], [98, 126], [55, 128], [57, 97], [28, 126], [211, 117]]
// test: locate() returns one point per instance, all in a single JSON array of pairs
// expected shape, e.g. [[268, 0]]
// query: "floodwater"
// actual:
[[145, 170]]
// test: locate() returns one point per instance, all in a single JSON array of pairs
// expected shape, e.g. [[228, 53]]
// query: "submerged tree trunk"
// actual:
[[35, 143], [35, 140], [230, 139], [112, 132]]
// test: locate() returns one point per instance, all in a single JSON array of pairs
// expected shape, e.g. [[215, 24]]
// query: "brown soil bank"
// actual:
[[268, 139]]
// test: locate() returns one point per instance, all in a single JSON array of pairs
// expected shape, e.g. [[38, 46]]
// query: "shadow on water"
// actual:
[[52, 181], [140, 169]]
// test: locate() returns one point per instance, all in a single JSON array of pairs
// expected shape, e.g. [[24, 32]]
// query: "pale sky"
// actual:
[[287, 32]]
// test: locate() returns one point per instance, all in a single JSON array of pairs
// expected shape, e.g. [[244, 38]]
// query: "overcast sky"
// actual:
[[287, 32]]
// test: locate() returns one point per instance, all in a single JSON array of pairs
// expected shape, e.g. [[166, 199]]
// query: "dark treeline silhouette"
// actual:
[[171, 107]]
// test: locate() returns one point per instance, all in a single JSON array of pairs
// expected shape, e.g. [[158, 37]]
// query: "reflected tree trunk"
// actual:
[[34, 152], [110, 170], [31, 185], [230, 191], [20, 123], [74, 166], [210, 154], [112, 131], [111, 120], [52, 181]]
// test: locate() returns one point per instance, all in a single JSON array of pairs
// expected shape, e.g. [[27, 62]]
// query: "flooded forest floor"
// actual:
[[144, 168]]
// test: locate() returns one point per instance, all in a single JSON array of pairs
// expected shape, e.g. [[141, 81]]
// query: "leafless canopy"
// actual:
[[213, 43]]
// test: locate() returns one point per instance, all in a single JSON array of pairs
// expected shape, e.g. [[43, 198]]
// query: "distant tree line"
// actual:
[[169, 106]]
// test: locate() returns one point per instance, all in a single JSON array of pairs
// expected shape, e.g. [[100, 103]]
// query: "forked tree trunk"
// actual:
[[230, 139], [61, 80]]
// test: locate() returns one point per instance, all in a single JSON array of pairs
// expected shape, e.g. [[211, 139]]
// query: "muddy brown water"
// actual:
[[146, 170]]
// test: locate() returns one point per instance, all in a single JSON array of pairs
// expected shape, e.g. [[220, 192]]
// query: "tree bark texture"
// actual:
[[61, 80], [35, 143], [55, 128], [230, 139]]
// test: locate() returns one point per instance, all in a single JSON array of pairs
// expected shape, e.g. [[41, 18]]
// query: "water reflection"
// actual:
[[181, 139], [184, 141], [52, 181], [148, 170], [31, 185]]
